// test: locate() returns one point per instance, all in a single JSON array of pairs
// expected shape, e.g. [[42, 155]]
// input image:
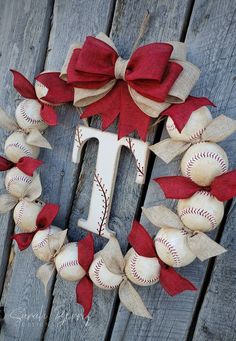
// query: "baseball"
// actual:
[[40, 245], [16, 182], [16, 147], [101, 276], [193, 129], [28, 115], [171, 247], [25, 215], [203, 162], [202, 212], [141, 270], [67, 263]]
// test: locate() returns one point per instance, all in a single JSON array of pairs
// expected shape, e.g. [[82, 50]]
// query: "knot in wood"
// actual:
[[120, 68]]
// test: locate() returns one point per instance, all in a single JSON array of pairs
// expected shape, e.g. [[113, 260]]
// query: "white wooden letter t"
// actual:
[[105, 174]]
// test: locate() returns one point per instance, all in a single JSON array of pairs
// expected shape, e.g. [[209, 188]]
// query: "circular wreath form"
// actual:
[[155, 82]]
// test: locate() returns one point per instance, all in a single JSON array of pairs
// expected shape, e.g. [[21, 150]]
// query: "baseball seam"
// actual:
[[41, 244], [96, 271], [200, 212], [171, 249], [20, 146], [20, 214], [192, 138], [28, 118], [135, 274], [68, 264], [17, 178], [201, 155]]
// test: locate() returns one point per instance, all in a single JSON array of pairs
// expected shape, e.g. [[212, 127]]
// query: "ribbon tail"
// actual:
[[162, 217], [7, 202], [112, 256], [28, 165], [6, 122], [168, 149], [5, 164], [47, 215], [86, 251], [44, 273], [35, 138], [84, 294], [173, 283], [23, 86], [140, 240], [223, 186], [204, 247], [23, 239], [132, 301], [219, 129], [48, 114]]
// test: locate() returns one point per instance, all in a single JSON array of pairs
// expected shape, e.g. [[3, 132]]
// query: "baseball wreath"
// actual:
[[156, 81]]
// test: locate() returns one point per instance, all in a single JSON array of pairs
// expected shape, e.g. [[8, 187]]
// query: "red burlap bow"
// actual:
[[59, 92], [44, 220], [172, 282], [223, 187], [149, 72], [180, 113], [84, 289], [26, 164]]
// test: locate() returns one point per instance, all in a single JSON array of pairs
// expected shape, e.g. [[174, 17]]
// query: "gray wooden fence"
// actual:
[[36, 35]]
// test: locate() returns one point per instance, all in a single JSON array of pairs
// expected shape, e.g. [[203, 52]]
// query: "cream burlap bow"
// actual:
[[32, 192], [55, 244], [178, 93], [217, 130], [33, 136], [199, 243], [114, 261]]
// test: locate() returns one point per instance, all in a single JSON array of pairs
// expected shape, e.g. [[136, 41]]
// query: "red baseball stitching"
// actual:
[[19, 146], [134, 272], [18, 178], [132, 149], [96, 271], [74, 262], [41, 244], [197, 135], [171, 249], [199, 156], [199, 211], [20, 213], [106, 203], [26, 117]]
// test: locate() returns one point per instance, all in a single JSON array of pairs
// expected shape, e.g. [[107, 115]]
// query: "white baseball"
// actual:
[[16, 182], [101, 276], [17, 147], [141, 270], [203, 162], [25, 215], [171, 246], [193, 129], [67, 263], [202, 212], [28, 115], [40, 245]]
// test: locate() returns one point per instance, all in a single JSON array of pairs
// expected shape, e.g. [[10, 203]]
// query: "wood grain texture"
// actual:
[[71, 21], [209, 36], [23, 38], [126, 23]]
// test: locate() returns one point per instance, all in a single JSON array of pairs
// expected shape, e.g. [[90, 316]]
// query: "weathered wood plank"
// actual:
[[23, 37], [211, 28], [126, 23], [26, 306]]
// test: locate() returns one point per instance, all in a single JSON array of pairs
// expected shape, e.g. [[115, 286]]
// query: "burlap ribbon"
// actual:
[[33, 136], [198, 242], [217, 130], [114, 261], [32, 192], [55, 244]]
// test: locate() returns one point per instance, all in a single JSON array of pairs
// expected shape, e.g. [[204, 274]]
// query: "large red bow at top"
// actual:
[[149, 72], [44, 220], [172, 282], [223, 187], [26, 164], [59, 92], [84, 289]]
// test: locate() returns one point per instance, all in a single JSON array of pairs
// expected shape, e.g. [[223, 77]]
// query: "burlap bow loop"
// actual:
[[55, 243], [115, 263], [33, 136], [43, 221], [139, 88], [32, 192], [26, 164], [49, 91], [223, 187], [217, 130], [172, 282], [198, 242]]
